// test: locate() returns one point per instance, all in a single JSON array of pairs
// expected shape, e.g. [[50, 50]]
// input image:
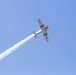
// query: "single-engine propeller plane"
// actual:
[[43, 30]]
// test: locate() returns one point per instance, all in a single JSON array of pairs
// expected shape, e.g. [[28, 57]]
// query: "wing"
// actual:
[[41, 24], [45, 35]]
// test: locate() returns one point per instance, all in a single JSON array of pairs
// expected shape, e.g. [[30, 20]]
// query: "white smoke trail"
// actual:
[[14, 47]]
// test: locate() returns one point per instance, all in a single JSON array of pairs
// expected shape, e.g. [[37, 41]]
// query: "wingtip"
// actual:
[[47, 40], [38, 19]]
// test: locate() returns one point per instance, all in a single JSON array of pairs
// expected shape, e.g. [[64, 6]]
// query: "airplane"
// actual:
[[43, 30]]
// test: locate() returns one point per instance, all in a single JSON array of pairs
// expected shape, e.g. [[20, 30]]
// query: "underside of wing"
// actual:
[[45, 35], [41, 24]]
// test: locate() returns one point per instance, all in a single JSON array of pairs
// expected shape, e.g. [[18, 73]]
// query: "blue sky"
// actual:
[[18, 19]]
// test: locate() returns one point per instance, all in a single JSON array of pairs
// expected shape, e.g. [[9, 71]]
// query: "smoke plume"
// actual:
[[16, 46]]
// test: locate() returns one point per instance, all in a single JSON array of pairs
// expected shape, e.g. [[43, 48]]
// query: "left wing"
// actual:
[[45, 35]]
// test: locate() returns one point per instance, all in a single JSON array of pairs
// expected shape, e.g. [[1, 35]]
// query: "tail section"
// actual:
[[35, 34]]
